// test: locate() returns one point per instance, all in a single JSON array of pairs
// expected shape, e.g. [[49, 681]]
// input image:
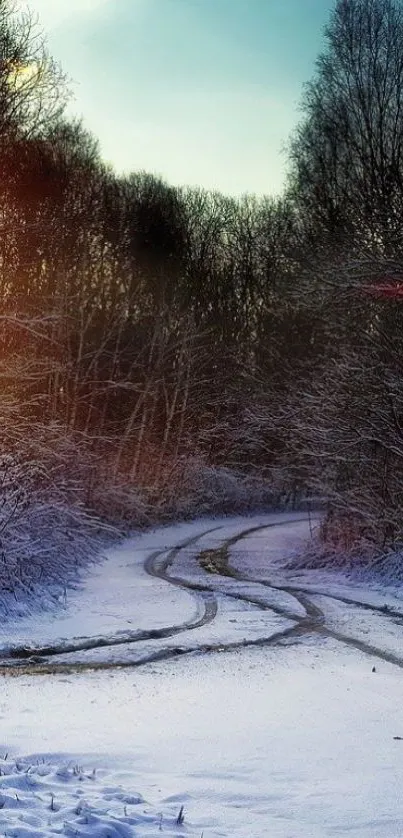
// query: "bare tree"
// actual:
[[347, 152]]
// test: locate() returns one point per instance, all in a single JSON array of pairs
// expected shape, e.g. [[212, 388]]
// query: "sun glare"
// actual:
[[20, 74]]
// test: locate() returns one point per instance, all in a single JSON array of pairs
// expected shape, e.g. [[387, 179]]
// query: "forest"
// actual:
[[169, 352]]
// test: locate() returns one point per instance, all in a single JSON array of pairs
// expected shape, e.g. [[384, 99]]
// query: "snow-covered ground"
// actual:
[[118, 596], [297, 736]]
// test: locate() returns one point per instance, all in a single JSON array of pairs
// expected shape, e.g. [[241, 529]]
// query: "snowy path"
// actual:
[[212, 568], [265, 701], [130, 589]]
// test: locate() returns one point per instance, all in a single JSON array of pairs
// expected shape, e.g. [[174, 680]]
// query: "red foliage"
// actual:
[[389, 289]]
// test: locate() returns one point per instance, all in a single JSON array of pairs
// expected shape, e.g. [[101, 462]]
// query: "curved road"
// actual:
[[213, 567]]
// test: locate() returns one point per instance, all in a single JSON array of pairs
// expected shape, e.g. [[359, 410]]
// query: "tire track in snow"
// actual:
[[385, 610], [314, 622], [155, 565], [220, 562], [15, 668], [29, 661], [301, 590]]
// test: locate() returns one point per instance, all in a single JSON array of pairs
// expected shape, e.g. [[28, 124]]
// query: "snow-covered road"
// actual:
[[193, 668]]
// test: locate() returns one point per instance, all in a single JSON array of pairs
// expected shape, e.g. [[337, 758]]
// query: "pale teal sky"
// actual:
[[203, 92]]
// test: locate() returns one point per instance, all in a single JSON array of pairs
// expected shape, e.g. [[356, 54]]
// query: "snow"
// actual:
[[119, 596], [295, 738], [277, 742], [234, 623], [41, 797]]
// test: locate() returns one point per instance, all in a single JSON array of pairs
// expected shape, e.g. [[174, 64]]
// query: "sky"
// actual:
[[202, 92]]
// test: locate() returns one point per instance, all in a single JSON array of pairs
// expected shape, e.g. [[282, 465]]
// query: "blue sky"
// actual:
[[203, 92]]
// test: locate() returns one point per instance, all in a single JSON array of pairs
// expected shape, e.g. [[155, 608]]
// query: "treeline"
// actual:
[[177, 350], [347, 182], [135, 317]]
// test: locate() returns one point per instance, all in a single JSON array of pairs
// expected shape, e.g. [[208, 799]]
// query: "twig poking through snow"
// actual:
[[181, 817]]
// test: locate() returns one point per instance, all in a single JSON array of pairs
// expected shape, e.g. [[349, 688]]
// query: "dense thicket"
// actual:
[[155, 341], [347, 184]]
